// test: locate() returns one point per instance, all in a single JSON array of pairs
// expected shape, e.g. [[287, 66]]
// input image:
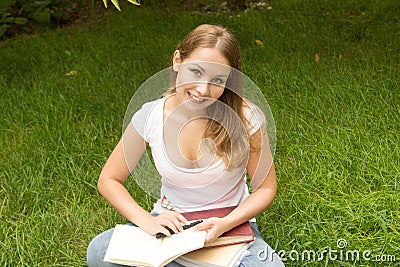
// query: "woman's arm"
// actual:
[[116, 170], [261, 171]]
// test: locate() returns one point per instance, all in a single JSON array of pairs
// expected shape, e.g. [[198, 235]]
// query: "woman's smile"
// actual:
[[195, 99]]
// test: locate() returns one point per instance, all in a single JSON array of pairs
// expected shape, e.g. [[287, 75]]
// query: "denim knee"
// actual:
[[97, 249]]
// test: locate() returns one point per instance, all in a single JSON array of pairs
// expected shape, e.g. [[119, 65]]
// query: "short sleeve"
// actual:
[[142, 119], [254, 116]]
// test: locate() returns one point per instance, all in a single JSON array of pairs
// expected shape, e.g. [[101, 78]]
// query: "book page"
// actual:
[[131, 244], [183, 242]]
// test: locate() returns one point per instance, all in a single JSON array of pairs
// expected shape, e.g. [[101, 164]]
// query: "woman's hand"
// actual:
[[214, 227], [161, 223]]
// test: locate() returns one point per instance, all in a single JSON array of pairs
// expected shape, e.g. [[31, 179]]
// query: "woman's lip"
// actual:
[[191, 98]]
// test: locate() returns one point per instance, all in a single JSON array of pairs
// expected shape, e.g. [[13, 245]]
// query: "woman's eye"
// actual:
[[217, 81], [195, 72]]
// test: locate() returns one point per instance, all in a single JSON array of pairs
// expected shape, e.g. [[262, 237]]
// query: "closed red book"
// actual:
[[239, 234]]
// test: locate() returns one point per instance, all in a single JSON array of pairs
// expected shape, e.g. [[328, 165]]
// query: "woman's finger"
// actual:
[[169, 221], [203, 226], [181, 218]]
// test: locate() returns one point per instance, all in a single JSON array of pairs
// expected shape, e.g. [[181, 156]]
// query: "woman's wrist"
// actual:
[[230, 221], [141, 218]]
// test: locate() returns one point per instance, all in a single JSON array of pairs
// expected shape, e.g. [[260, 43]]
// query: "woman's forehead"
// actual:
[[205, 54]]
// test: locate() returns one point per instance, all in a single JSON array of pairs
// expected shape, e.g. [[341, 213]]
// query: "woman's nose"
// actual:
[[203, 88]]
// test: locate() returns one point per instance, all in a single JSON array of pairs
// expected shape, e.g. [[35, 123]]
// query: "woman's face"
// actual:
[[201, 77]]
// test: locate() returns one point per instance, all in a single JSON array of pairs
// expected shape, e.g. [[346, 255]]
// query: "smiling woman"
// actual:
[[218, 51], [205, 139]]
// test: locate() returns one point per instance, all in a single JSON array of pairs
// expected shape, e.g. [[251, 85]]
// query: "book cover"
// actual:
[[239, 234]]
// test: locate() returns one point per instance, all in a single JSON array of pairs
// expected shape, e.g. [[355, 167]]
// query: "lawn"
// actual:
[[329, 70]]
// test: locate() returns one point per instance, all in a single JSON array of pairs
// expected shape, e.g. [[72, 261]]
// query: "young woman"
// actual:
[[205, 139]]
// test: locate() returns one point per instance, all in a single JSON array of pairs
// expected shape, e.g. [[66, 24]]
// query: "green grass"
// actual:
[[337, 156]]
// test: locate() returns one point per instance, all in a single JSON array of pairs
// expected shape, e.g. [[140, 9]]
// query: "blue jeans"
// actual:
[[261, 254]]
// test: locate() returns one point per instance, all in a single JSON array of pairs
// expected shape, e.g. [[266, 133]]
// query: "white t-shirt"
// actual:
[[184, 189]]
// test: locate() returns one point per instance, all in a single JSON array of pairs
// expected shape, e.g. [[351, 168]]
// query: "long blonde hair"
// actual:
[[231, 144]]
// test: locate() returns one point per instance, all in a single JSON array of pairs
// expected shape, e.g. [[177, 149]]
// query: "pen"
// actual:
[[159, 235], [186, 226]]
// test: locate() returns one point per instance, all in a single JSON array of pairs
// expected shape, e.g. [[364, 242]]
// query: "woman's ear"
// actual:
[[176, 60]]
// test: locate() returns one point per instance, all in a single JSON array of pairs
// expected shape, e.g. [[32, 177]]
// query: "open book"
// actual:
[[130, 245]]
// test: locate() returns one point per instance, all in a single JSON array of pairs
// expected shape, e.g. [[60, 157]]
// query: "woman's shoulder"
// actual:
[[150, 106], [253, 114], [250, 109], [153, 103], [147, 110], [148, 118]]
